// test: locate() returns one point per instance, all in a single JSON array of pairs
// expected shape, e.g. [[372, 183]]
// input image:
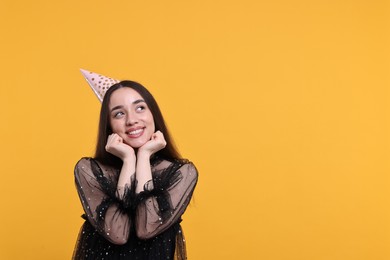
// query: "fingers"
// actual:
[[115, 138], [159, 138], [112, 141], [117, 147], [156, 143]]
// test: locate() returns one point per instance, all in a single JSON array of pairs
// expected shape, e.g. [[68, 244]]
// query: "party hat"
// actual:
[[99, 83]]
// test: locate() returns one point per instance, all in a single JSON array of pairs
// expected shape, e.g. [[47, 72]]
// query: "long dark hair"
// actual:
[[170, 151]]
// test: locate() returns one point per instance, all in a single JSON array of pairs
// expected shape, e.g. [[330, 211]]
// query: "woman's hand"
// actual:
[[155, 144], [117, 147]]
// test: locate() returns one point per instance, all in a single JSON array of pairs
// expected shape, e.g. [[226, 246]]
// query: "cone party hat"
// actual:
[[99, 83]]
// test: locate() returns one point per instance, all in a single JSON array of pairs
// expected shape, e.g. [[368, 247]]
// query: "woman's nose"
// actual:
[[131, 120]]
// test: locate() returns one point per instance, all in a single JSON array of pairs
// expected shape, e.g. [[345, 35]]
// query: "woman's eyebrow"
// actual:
[[117, 107], [134, 102], [139, 101]]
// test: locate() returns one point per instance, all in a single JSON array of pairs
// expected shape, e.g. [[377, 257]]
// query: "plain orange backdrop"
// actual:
[[282, 105]]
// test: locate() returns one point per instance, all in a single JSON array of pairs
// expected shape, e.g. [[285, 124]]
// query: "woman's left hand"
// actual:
[[155, 144]]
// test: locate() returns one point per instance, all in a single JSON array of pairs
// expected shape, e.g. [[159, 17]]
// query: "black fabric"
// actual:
[[143, 226]]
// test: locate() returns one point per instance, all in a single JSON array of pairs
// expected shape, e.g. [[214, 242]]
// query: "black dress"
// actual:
[[143, 226]]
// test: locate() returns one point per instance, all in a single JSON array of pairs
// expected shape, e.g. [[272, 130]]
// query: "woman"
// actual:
[[136, 188]]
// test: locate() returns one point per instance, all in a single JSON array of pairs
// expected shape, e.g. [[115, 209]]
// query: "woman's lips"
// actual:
[[135, 133]]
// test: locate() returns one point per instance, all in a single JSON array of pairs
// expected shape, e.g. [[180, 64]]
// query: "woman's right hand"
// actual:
[[117, 147]]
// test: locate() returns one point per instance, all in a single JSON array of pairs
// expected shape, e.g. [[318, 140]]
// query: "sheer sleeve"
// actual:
[[163, 205], [97, 192]]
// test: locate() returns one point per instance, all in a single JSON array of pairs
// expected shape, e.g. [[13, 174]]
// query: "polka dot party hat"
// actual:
[[99, 83]]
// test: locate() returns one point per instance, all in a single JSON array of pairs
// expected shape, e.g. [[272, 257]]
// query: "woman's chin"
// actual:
[[135, 144]]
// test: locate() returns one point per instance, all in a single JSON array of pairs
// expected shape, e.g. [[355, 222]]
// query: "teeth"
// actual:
[[135, 132]]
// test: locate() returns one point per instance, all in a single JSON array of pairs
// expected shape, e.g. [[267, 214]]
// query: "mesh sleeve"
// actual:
[[163, 206], [109, 215]]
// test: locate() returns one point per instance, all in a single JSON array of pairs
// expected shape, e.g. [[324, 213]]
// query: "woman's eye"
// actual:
[[118, 114], [140, 108]]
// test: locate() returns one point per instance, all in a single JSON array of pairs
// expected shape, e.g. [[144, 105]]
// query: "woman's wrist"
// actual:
[[129, 159], [143, 154]]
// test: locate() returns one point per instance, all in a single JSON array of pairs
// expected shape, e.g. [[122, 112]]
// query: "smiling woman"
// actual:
[[130, 117], [136, 188]]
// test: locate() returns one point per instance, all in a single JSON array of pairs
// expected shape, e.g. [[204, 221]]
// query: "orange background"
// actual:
[[282, 105]]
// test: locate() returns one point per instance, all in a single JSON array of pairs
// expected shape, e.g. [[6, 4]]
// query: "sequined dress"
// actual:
[[142, 226]]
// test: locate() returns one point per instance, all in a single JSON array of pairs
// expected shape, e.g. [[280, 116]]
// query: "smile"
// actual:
[[135, 133]]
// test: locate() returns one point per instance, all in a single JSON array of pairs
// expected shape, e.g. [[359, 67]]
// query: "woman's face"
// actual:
[[130, 117]]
